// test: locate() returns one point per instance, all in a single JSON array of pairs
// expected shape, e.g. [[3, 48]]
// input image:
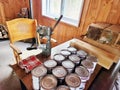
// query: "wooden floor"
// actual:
[[117, 83], [8, 79]]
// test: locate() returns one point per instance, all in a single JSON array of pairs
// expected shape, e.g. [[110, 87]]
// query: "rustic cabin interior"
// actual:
[[59, 45]]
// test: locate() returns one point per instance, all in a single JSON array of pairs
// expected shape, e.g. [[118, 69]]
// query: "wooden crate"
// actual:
[[95, 30], [116, 30], [104, 36]]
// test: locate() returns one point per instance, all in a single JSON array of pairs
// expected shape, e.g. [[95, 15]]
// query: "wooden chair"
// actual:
[[22, 29]]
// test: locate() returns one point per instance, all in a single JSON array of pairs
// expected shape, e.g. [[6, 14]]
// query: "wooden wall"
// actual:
[[12, 7], [2, 14], [94, 11]]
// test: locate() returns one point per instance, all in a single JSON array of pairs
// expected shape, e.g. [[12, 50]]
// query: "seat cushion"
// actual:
[[29, 63]]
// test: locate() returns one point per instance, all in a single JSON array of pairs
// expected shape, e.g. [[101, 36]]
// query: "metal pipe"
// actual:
[[31, 9]]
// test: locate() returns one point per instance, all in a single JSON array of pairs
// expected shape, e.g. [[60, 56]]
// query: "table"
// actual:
[[101, 79]]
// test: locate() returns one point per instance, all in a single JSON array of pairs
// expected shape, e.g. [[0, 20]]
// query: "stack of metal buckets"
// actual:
[[67, 70]]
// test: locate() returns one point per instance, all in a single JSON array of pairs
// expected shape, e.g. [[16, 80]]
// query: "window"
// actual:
[[70, 9]]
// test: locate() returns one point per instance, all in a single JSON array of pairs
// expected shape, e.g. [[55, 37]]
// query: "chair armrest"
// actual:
[[15, 49]]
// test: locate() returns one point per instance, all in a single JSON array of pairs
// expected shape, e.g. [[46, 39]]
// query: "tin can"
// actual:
[[73, 81], [82, 54], [88, 64], [59, 58], [63, 87], [50, 64], [60, 72], [82, 72], [73, 50], [93, 59], [74, 58], [37, 74], [48, 82], [69, 65], [65, 52]]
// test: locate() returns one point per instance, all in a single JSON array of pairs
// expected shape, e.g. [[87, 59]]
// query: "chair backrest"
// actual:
[[21, 29]]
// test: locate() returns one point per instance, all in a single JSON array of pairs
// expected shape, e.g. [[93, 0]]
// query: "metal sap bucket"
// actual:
[[74, 58], [58, 58], [72, 50], [83, 74], [65, 53], [50, 64], [73, 81], [60, 72], [93, 59], [69, 65], [37, 74], [88, 64], [63, 87], [82, 54], [48, 82]]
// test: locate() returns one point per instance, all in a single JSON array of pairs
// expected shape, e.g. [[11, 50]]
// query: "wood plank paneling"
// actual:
[[93, 11], [2, 14], [114, 13], [85, 9], [105, 8], [12, 7]]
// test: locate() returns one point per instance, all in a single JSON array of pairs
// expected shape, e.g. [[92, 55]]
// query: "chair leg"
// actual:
[[22, 85]]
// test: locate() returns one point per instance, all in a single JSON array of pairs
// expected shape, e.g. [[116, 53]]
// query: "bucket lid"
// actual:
[[92, 58], [50, 63], [87, 63], [82, 53], [71, 49], [65, 52], [74, 58], [48, 82], [59, 71], [39, 71], [82, 71], [58, 57], [68, 64], [73, 80], [63, 87]]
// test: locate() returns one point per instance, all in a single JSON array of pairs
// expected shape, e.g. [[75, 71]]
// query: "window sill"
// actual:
[[63, 20]]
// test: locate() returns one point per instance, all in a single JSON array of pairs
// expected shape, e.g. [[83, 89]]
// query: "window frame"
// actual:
[[64, 19]]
